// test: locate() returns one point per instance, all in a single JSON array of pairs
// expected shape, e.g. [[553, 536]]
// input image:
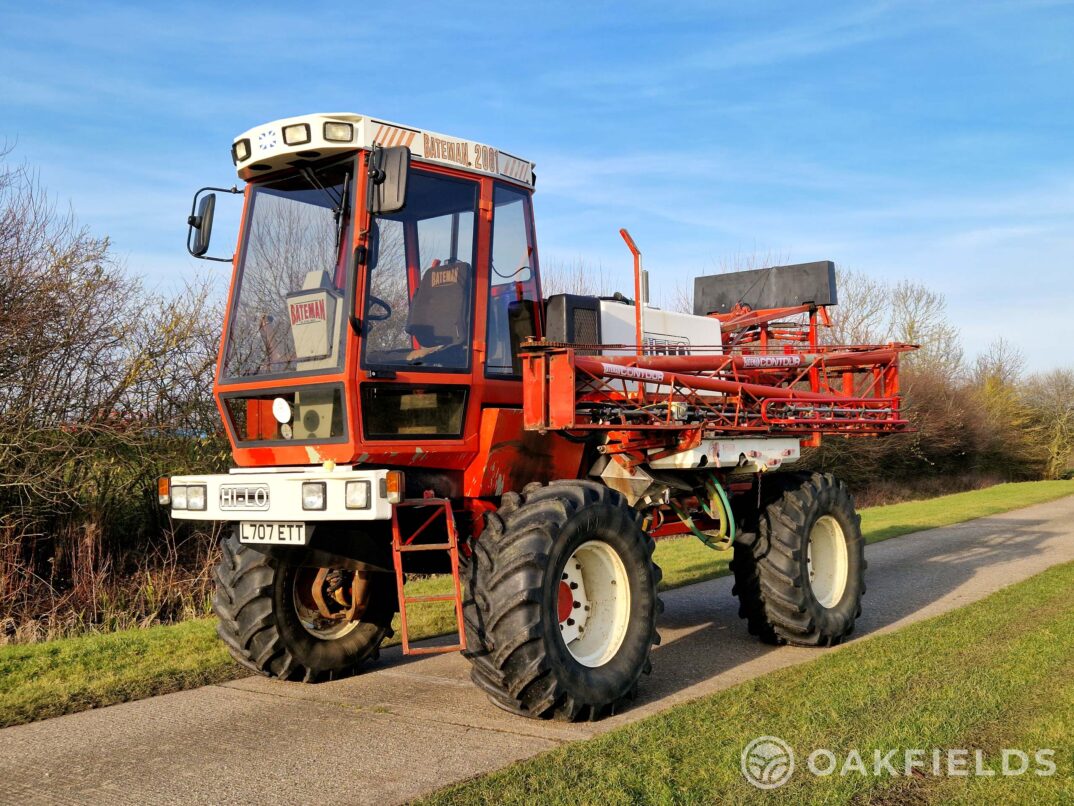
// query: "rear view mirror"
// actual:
[[201, 226], [389, 169], [200, 222]]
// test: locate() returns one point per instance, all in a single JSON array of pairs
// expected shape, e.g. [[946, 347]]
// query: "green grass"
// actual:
[[73, 674], [998, 673], [67, 675], [880, 523]]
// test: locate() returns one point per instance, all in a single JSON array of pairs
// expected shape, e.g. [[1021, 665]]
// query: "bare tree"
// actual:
[[575, 276], [919, 316], [862, 315], [103, 386], [1050, 395]]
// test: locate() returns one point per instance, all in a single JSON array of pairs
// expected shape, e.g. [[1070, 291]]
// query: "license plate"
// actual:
[[289, 534]]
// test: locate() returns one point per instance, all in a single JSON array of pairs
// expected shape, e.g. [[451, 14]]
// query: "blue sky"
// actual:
[[930, 141]]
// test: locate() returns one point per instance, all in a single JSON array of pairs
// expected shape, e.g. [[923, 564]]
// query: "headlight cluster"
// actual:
[[358, 494], [188, 496]]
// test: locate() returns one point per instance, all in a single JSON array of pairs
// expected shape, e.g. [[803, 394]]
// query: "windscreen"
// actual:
[[288, 302]]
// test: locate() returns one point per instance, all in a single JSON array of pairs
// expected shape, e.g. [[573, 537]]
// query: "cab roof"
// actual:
[[282, 143]]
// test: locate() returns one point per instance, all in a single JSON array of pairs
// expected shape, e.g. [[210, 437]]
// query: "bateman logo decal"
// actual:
[[447, 150], [447, 276], [303, 312]]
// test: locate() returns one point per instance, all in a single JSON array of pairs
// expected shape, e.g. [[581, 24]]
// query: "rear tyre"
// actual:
[[289, 622], [562, 605], [800, 579]]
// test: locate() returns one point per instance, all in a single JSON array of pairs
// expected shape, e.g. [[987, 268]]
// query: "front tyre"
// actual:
[[561, 617], [295, 622]]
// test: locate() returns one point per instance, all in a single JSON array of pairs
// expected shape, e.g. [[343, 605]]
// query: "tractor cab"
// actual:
[[384, 280]]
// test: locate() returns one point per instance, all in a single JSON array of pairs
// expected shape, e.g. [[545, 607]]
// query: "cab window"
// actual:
[[419, 292], [513, 295]]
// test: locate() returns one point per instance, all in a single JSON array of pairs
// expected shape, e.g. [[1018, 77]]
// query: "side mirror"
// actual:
[[200, 222], [389, 169], [201, 226]]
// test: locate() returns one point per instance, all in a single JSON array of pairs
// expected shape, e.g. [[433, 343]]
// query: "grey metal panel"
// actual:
[[774, 287]]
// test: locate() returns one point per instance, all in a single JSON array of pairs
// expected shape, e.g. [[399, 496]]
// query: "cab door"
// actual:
[[514, 301]]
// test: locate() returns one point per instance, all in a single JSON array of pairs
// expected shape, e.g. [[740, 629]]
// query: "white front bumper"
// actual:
[[260, 494]]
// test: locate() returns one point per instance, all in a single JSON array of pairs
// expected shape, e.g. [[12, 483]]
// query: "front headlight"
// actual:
[[313, 495], [358, 495], [296, 134], [195, 497], [240, 151], [179, 497], [338, 132]]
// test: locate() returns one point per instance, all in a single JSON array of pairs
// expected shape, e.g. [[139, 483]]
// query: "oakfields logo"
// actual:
[[768, 762]]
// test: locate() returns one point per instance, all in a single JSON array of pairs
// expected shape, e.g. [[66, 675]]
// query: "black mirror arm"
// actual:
[[374, 176]]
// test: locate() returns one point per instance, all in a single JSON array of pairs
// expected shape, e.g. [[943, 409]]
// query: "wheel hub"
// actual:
[[573, 602], [330, 602], [593, 603], [827, 561]]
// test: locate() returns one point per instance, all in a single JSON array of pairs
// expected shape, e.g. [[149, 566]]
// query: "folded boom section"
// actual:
[[765, 379]]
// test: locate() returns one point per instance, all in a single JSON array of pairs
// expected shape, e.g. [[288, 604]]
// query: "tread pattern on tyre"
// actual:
[[768, 568], [502, 611], [247, 624]]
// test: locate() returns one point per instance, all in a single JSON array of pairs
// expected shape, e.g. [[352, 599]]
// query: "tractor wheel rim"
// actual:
[[593, 603], [827, 561], [309, 614]]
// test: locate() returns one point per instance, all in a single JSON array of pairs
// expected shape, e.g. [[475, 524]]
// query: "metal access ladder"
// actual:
[[401, 546]]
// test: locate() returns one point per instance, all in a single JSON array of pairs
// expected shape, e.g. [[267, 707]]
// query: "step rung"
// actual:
[[426, 547], [434, 650], [430, 597]]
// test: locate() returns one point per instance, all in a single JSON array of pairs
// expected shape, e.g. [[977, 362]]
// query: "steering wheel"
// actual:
[[387, 314]]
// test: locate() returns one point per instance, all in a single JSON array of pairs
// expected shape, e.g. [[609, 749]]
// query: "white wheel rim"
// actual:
[[827, 561], [594, 603]]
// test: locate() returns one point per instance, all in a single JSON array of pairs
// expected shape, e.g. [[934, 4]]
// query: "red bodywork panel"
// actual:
[[510, 457]]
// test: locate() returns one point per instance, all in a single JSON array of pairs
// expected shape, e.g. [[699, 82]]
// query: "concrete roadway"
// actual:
[[409, 726]]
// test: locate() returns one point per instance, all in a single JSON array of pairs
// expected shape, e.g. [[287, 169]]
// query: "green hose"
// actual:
[[726, 535], [727, 519]]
